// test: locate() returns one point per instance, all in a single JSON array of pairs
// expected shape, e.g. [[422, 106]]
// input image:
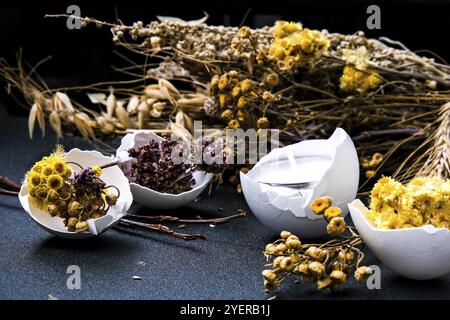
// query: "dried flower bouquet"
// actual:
[[304, 82]]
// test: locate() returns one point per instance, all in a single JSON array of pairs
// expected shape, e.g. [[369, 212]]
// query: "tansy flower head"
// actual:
[[362, 273], [336, 225], [319, 205], [227, 115], [37, 168], [262, 123], [246, 85], [97, 171], [242, 102], [59, 166], [47, 170], [233, 124], [332, 212], [55, 182], [34, 179]]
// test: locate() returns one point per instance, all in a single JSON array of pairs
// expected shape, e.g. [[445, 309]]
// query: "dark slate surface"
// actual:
[[227, 265]]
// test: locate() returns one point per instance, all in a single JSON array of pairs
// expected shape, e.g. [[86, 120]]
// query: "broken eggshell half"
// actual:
[[326, 168], [152, 198], [111, 176], [420, 253]]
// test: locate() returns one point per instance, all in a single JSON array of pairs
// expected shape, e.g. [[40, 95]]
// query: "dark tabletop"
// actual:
[[227, 265]]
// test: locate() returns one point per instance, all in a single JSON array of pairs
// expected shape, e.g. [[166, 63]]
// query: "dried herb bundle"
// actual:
[[328, 265], [301, 81]]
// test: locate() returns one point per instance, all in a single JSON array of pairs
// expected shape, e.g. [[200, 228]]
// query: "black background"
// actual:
[[85, 56]]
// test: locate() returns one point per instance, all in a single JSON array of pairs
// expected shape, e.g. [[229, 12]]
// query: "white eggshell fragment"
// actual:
[[111, 176], [420, 253], [151, 198], [330, 167]]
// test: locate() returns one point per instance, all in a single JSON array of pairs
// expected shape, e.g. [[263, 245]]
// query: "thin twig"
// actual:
[[162, 229], [6, 182], [9, 193], [164, 218]]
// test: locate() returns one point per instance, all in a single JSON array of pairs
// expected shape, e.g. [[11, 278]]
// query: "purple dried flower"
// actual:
[[154, 168]]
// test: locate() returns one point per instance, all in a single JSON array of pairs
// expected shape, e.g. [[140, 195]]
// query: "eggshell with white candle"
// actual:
[[329, 166]]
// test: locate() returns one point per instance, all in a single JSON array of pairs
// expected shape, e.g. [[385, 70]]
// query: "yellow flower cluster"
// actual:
[[294, 46], [370, 164], [322, 206], [357, 75], [420, 202], [48, 177], [236, 97]]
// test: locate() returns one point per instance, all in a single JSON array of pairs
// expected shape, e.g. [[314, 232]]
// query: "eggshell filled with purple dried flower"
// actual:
[[148, 196]]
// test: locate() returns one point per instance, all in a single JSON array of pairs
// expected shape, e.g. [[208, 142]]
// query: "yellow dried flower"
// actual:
[[236, 92], [244, 32], [223, 99], [293, 46], [285, 234], [272, 79], [316, 253], [332, 212], [353, 80], [47, 170], [59, 166], [346, 255], [262, 123], [362, 273], [227, 115], [241, 115], [242, 102], [223, 82], [267, 96], [370, 173], [422, 201], [336, 225], [287, 263], [34, 179], [319, 205], [284, 28], [246, 85], [324, 283], [277, 261], [97, 171], [233, 124], [303, 268], [293, 244], [338, 275], [55, 182], [269, 275], [317, 267]]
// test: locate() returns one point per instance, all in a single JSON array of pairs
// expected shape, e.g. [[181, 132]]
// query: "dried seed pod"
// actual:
[[83, 126], [122, 115], [55, 123], [111, 102], [133, 104], [154, 93], [36, 113]]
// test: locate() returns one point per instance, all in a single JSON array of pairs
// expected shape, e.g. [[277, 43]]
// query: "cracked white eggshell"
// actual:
[[420, 253], [111, 176], [331, 163], [151, 198]]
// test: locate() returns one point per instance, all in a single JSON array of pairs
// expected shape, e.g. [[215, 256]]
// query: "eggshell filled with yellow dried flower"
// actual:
[[420, 253], [87, 159], [321, 168]]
